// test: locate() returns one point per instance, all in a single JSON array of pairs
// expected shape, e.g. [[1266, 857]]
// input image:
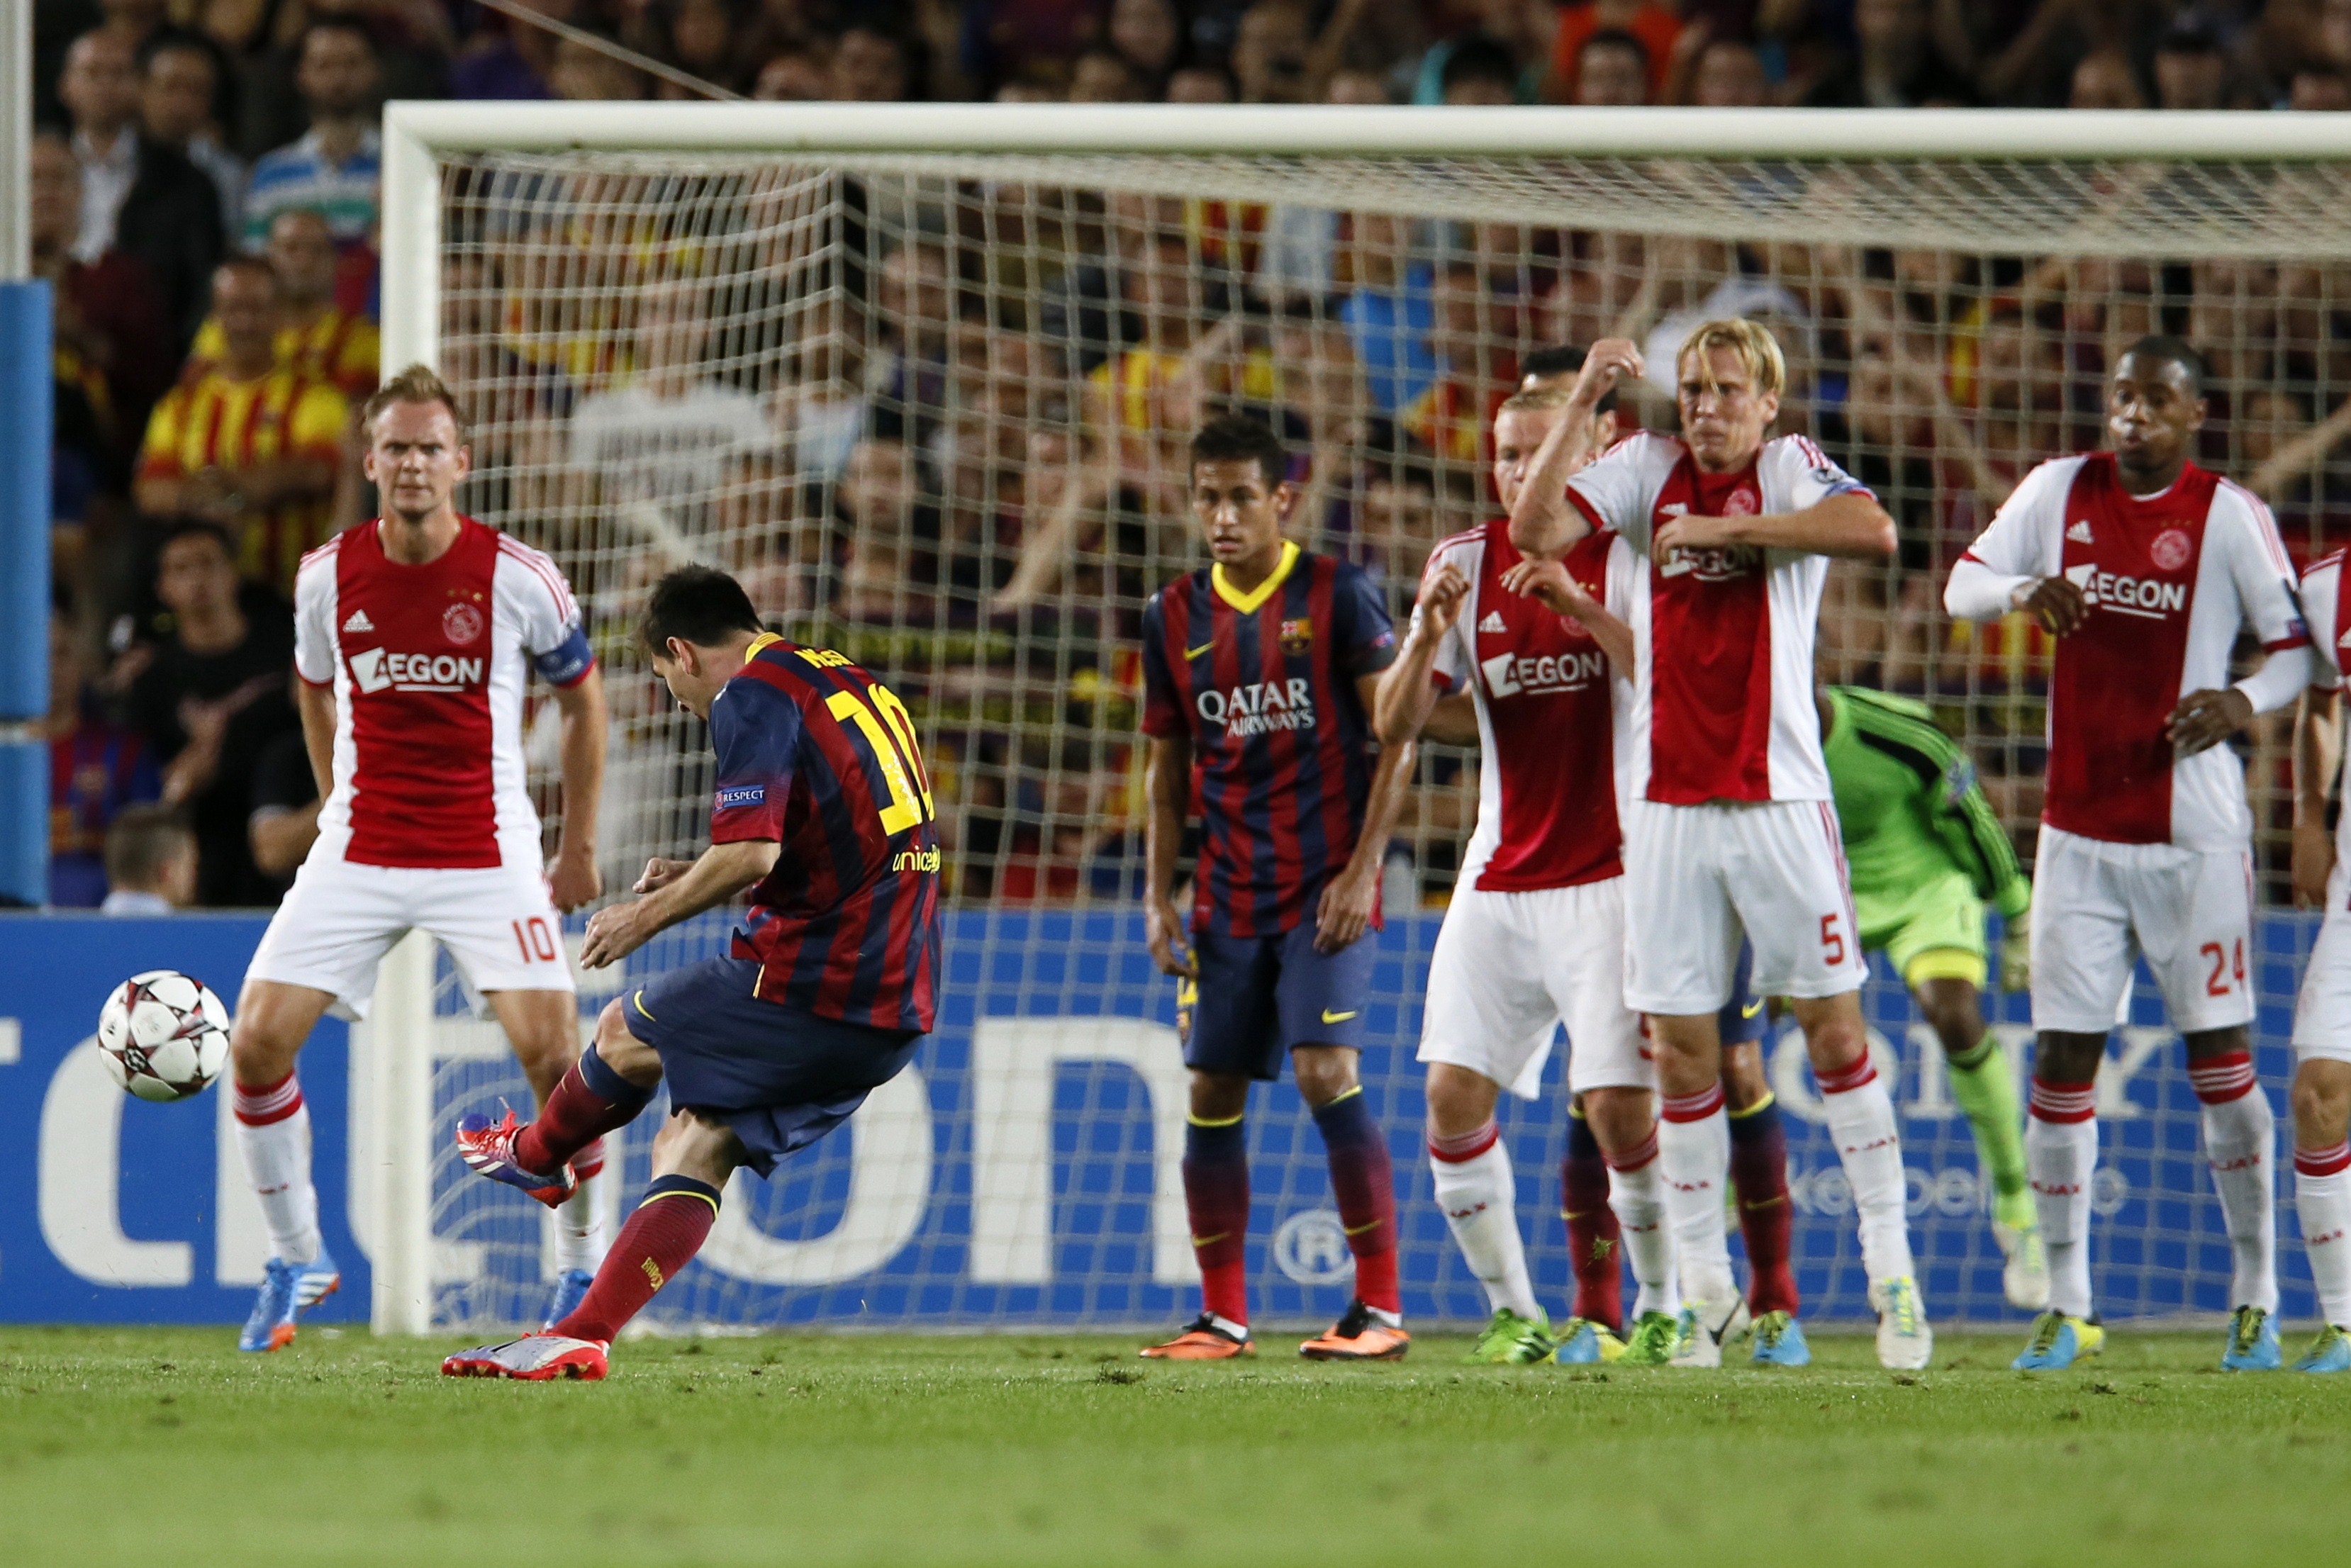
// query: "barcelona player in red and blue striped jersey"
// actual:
[[1259, 672], [823, 814]]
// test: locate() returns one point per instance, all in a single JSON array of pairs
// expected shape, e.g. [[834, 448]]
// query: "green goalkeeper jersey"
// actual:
[[1911, 808]]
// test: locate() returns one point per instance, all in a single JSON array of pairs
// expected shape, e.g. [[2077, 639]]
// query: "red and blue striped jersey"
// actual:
[[818, 756], [1264, 684]]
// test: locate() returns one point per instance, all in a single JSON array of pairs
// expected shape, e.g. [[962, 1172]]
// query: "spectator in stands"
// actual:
[[150, 862], [869, 65], [336, 167], [796, 76], [317, 338], [1729, 74], [137, 195], [2319, 88], [1653, 26], [669, 438], [584, 74], [97, 769], [1103, 75], [699, 37], [1897, 63], [509, 59], [284, 822], [886, 520], [209, 695], [111, 337], [2191, 68], [1612, 70], [248, 445], [179, 101], [1479, 72], [1200, 84], [1149, 34], [2107, 79], [1270, 53]]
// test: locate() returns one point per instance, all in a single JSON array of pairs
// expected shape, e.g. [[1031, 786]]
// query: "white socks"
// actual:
[[1636, 1192], [1861, 1119], [1693, 1161], [2322, 1195], [2061, 1151], [1476, 1189], [579, 1238], [273, 1134], [2240, 1147]]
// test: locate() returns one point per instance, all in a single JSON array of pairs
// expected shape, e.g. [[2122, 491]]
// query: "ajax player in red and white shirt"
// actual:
[[2146, 569], [1729, 832], [415, 636], [1534, 935], [2322, 1016]]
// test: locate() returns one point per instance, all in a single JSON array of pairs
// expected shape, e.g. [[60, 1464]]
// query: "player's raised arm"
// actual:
[[1835, 514], [1544, 521], [1408, 693]]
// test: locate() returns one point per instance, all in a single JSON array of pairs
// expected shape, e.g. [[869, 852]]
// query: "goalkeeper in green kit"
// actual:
[[1925, 854]]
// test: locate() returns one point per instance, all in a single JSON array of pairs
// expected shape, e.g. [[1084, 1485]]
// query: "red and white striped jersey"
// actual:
[[1547, 708], [429, 664], [2171, 578], [2327, 609], [1722, 698]]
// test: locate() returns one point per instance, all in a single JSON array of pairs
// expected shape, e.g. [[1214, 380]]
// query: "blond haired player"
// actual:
[[1729, 832], [415, 636]]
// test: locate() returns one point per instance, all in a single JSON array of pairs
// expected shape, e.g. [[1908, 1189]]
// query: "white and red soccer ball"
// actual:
[[163, 1035]]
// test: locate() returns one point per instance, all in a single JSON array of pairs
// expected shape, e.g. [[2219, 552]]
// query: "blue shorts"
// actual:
[[1259, 998], [779, 1075], [1741, 1020]]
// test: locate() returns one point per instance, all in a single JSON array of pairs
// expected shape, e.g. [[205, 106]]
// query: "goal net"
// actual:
[[923, 380]]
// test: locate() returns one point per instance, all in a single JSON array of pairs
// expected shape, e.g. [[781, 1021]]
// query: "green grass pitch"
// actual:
[[167, 1448]]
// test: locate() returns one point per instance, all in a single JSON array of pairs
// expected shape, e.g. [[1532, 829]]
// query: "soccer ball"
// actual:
[[163, 1035]]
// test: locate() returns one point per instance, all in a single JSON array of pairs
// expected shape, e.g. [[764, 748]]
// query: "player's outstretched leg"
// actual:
[[592, 1099], [272, 1135], [2322, 1196], [1364, 1182], [543, 1026], [693, 1157], [2239, 1148], [2060, 1149], [1984, 1085], [1860, 1116]]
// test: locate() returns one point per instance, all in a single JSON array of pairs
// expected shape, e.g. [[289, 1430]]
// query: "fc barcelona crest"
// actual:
[[1297, 636]]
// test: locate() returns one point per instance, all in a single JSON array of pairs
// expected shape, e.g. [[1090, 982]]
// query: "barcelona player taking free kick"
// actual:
[[823, 815], [1259, 675]]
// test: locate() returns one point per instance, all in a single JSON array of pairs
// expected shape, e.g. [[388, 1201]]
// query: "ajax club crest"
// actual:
[[461, 623]]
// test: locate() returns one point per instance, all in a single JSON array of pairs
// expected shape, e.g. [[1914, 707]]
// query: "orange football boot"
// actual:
[[1206, 1338], [1358, 1336]]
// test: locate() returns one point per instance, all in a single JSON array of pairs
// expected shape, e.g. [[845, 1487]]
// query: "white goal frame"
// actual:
[[393, 1073]]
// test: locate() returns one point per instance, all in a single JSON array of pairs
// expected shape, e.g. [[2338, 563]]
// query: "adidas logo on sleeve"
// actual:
[[1493, 622]]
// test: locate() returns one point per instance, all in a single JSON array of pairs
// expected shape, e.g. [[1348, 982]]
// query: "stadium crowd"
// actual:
[[968, 474]]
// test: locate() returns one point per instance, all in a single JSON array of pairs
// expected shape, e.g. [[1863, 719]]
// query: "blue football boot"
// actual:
[[1780, 1342], [287, 1290], [2058, 1341], [2252, 1342], [1584, 1342], [2330, 1352], [570, 1289]]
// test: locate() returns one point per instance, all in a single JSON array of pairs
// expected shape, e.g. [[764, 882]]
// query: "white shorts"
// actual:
[[1699, 878], [2096, 906], [338, 920], [2322, 1014], [1509, 967]]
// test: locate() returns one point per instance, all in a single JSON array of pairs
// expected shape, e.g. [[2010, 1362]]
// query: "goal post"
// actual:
[[920, 375]]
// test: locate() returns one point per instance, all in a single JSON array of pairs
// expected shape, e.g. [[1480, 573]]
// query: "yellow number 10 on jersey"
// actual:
[[910, 792]]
